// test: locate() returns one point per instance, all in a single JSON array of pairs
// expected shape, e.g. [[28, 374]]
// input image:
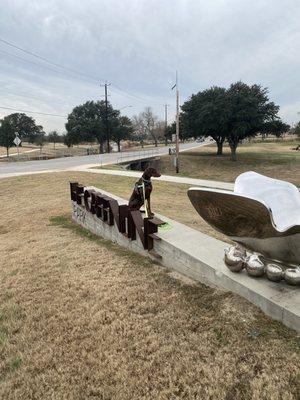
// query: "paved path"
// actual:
[[64, 164], [168, 178]]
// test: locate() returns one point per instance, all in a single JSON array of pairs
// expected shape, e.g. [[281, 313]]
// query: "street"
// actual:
[[8, 169]]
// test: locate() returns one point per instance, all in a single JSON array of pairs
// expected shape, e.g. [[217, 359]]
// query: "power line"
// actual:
[[74, 71], [130, 95], [46, 60], [37, 98], [34, 112], [20, 95], [39, 65], [119, 90]]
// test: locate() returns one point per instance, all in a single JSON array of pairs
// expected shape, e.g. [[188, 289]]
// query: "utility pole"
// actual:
[[106, 115], [166, 122], [177, 124]]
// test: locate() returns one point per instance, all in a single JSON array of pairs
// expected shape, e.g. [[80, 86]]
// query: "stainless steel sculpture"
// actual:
[[262, 215]]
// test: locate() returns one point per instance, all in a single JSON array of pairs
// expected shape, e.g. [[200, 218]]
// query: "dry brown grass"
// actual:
[[13, 150], [83, 319], [274, 159]]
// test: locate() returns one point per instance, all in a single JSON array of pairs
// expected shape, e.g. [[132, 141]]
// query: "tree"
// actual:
[[67, 140], [171, 130], [160, 130], [7, 135], [121, 130], [54, 138], [139, 129], [149, 121], [25, 126], [205, 115], [276, 128], [40, 140], [248, 109], [87, 122], [297, 130]]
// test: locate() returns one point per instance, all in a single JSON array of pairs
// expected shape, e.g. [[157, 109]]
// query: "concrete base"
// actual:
[[200, 257]]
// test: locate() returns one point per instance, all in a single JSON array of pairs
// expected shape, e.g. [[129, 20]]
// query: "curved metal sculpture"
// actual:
[[263, 216]]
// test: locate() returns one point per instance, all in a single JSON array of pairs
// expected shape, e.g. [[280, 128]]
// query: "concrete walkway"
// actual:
[[167, 178]]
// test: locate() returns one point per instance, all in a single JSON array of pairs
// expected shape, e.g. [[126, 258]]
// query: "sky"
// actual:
[[137, 45]]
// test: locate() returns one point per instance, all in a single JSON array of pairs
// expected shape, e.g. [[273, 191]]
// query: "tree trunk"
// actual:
[[101, 148], [7, 152], [155, 141], [142, 143], [233, 152], [119, 145], [220, 148]]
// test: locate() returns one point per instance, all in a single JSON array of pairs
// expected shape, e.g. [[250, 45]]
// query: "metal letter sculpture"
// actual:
[[262, 215]]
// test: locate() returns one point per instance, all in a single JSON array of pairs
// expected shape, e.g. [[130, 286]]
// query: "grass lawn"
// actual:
[[81, 318], [14, 150], [274, 159]]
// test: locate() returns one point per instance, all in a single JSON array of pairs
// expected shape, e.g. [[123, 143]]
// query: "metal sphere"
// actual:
[[274, 272], [292, 276], [254, 266], [234, 258]]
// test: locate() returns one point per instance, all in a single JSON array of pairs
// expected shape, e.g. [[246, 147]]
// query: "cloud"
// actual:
[[137, 45]]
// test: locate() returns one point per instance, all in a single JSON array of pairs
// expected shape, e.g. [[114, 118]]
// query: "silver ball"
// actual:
[[274, 272], [254, 266], [234, 258], [292, 276]]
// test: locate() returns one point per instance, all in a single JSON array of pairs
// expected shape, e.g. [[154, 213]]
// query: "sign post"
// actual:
[[17, 142]]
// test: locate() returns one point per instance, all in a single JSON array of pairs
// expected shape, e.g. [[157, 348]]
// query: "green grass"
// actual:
[[15, 364]]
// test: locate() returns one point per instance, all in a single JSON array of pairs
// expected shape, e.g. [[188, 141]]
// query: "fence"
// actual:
[[136, 155]]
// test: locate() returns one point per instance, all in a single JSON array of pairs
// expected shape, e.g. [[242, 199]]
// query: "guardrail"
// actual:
[[51, 153], [137, 155]]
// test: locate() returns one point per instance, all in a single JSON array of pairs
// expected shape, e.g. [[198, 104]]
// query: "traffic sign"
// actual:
[[17, 141]]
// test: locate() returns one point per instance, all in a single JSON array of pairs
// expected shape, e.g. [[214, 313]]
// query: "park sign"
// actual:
[[96, 210]]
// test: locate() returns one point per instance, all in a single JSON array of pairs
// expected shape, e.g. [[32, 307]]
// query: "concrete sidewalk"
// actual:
[[167, 178], [132, 174]]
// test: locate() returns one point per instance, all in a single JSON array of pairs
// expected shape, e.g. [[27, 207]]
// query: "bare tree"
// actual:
[[146, 124], [160, 130], [150, 121], [139, 129]]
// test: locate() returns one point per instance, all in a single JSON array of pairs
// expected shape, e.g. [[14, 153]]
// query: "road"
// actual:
[[8, 169]]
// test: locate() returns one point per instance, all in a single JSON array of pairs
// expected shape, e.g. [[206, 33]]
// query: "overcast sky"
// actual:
[[137, 45]]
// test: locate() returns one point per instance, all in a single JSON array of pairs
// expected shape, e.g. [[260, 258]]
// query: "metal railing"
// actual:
[[47, 154], [137, 155]]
